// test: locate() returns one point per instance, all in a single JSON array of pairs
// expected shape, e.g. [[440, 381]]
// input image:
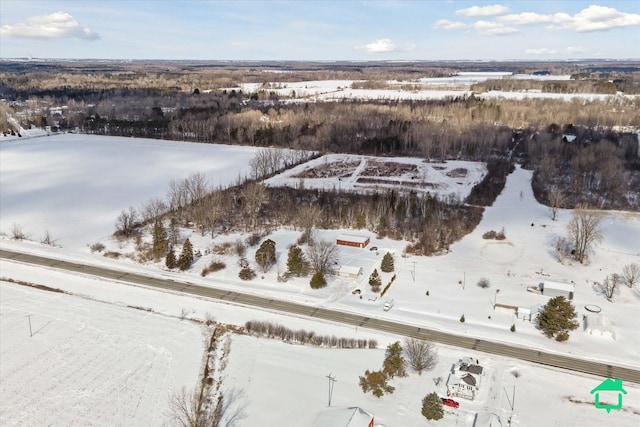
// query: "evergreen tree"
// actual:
[[387, 263], [375, 281], [247, 273], [558, 318], [266, 254], [170, 260], [376, 382], [432, 407], [394, 363], [296, 262], [160, 240], [186, 256], [318, 281]]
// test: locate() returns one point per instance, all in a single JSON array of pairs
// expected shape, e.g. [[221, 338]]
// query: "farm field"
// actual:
[[91, 363]]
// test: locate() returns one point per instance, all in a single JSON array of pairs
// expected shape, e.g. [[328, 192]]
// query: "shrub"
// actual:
[[112, 254], [215, 265], [489, 235], [247, 273], [513, 328], [376, 382], [318, 281], [254, 239], [97, 247], [462, 319], [484, 283]]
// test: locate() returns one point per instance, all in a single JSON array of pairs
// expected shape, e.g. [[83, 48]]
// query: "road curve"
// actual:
[[511, 351]]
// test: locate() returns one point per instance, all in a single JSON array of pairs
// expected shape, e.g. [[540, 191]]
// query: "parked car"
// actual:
[[373, 248], [387, 305], [449, 402]]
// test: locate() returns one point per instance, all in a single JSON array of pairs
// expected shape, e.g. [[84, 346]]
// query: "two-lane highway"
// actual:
[[507, 350]]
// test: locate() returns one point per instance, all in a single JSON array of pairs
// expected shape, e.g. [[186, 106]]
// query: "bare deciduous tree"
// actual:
[[126, 222], [556, 199], [254, 195], [322, 256], [421, 355], [152, 209], [611, 286], [584, 231], [308, 217], [190, 409], [631, 274]]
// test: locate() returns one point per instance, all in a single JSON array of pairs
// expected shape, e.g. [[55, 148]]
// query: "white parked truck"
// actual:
[[387, 305]]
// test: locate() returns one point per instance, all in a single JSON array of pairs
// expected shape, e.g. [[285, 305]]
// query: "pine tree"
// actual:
[[462, 319], [160, 240], [266, 254], [318, 281], [186, 256], [296, 262], [375, 281], [394, 364], [558, 318], [376, 382], [387, 263], [170, 260], [432, 407]]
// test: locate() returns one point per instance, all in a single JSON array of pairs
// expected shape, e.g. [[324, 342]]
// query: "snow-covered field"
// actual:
[[75, 186], [525, 258], [420, 89], [87, 363]]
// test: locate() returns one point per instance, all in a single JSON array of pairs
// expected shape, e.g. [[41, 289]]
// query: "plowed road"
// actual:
[[511, 351]]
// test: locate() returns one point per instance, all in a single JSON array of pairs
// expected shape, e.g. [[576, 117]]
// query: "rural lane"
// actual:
[[531, 355]]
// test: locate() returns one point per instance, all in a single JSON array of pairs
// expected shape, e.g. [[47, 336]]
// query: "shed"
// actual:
[[352, 240], [336, 416], [349, 271], [556, 289]]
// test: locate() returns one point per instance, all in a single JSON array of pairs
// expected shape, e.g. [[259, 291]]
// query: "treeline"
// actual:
[[627, 85], [578, 165]]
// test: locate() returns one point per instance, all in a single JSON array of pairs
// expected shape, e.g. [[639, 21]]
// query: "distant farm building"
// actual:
[[352, 240], [349, 271], [557, 289], [336, 416]]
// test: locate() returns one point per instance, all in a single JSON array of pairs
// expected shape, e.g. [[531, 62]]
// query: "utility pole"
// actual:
[[332, 380], [414, 272], [30, 330]]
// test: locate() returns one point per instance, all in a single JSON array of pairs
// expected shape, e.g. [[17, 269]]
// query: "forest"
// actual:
[[582, 151]]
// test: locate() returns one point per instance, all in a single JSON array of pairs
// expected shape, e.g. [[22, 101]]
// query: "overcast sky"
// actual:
[[320, 30]]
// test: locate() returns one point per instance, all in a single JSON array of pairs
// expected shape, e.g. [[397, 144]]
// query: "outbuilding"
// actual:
[[349, 271], [352, 240], [557, 289], [336, 416]]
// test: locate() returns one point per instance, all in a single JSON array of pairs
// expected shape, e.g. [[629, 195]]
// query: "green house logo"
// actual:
[[609, 388]]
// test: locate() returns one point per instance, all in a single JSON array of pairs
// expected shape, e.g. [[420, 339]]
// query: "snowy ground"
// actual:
[[421, 89], [525, 258]]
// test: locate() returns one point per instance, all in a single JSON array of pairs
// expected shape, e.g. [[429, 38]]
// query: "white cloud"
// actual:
[[599, 18], [379, 46], [593, 18], [445, 24], [58, 25], [541, 51], [525, 18], [491, 10], [487, 28]]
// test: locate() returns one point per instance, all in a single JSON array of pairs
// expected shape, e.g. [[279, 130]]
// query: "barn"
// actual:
[[556, 289], [352, 240]]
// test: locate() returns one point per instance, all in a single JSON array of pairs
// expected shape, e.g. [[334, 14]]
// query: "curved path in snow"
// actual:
[[531, 355]]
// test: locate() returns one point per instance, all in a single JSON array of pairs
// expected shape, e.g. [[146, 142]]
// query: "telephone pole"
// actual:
[[332, 380]]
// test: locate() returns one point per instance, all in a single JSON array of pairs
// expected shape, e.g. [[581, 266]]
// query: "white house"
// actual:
[[465, 378], [555, 289]]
